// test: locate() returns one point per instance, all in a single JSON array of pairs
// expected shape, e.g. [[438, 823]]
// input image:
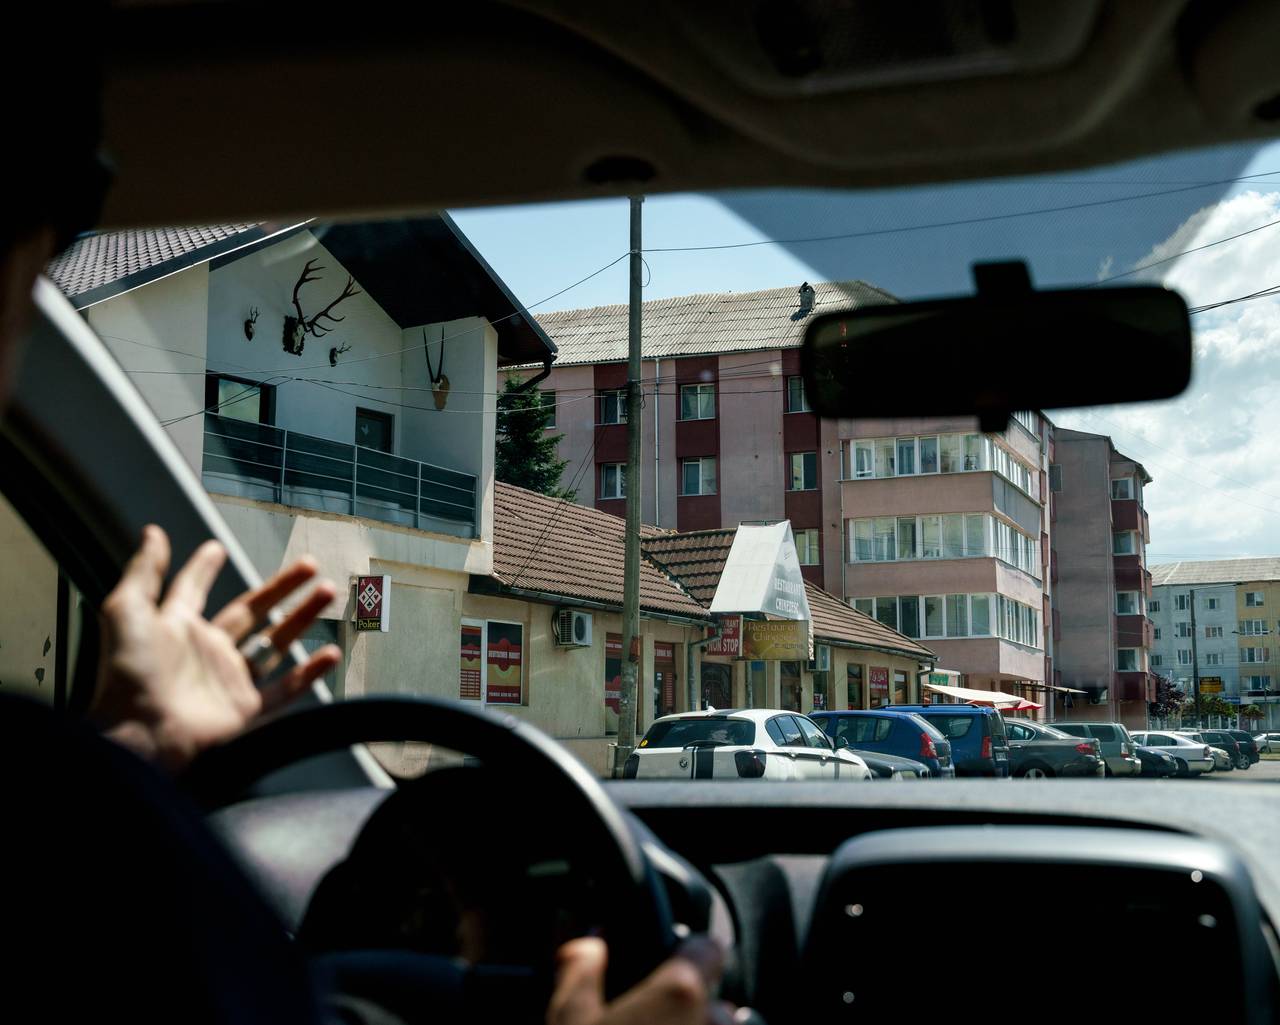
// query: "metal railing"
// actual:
[[315, 473]]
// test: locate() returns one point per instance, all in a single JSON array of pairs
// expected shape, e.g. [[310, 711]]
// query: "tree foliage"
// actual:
[[1169, 700], [525, 451]]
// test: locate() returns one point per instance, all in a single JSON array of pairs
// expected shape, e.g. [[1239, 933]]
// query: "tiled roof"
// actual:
[[712, 322], [696, 559], [110, 257], [1221, 571], [550, 545]]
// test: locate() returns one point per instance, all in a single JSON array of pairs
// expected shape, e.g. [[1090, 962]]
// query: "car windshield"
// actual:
[[437, 407], [684, 732]]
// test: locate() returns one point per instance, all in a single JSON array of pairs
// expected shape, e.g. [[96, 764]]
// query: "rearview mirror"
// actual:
[[1007, 348]]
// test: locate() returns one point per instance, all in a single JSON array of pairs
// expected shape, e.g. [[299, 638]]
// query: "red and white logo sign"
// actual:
[[373, 601]]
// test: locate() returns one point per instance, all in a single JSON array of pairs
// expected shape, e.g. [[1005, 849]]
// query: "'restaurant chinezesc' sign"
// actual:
[[373, 603]]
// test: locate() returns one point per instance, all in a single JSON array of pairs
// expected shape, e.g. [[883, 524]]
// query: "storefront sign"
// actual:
[[762, 574], [504, 663], [1211, 685], [775, 640], [613, 677], [730, 640], [469, 662], [879, 686], [373, 603]]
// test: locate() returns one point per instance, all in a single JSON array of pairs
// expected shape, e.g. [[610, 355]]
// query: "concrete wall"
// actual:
[[1226, 648], [29, 613], [919, 496], [575, 424], [752, 480], [159, 334]]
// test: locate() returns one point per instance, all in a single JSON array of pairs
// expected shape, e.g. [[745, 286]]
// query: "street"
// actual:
[[1266, 771]]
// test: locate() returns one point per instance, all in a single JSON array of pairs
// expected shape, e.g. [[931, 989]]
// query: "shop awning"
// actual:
[[995, 698]]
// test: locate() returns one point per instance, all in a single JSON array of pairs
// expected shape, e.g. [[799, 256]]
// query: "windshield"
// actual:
[[684, 732], [438, 408]]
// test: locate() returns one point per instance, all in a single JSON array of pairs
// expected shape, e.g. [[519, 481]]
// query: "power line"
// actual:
[[1260, 294], [1194, 249], [958, 222]]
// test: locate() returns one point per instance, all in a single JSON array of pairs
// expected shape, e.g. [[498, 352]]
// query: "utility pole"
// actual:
[[1195, 662], [631, 565]]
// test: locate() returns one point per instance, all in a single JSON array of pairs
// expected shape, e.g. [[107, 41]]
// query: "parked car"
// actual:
[[1117, 745], [1037, 751], [1227, 740], [749, 743], [1155, 762], [884, 766], [904, 734], [1268, 742], [979, 743], [1223, 760], [1248, 746], [1193, 756]]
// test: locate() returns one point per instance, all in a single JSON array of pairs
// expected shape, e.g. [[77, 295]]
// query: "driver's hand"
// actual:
[[677, 993], [172, 683]]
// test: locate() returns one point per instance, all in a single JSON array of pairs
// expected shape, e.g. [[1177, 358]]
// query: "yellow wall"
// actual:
[[1269, 613]]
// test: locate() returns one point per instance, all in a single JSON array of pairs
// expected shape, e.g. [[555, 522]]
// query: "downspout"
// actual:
[[526, 385], [657, 447], [920, 682]]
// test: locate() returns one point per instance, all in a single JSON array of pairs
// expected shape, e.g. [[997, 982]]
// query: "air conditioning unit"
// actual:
[[572, 628], [821, 661]]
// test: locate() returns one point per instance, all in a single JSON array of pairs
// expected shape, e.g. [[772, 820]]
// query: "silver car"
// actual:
[[1193, 757]]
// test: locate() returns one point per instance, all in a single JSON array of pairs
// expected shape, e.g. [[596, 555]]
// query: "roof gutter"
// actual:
[[526, 385], [490, 588], [841, 643]]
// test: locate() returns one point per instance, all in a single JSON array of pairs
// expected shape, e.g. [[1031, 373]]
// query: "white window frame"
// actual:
[[1212, 631], [701, 462], [1212, 658], [619, 395], [1132, 539], [702, 390], [1249, 602], [1137, 603], [1181, 602], [1153, 605], [1128, 488], [1157, 660], [812, 546], [620, 479], [483, 624], [1254, 655], [1253, 627], [1137, 660], [1184, 656], [1182, 628], [791, 458], [1157, 633], [1212, 604], [804, 406]]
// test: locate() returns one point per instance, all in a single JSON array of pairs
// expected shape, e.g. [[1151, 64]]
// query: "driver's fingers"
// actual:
[[295, 624], [676, 993], [578, 998], [190, 588], [143, 575], [251, 608], [280, 692]]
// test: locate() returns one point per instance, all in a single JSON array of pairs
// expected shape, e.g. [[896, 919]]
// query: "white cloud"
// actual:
[[1212, 450]]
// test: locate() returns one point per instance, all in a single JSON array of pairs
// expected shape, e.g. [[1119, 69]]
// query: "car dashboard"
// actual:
[[853, 901]]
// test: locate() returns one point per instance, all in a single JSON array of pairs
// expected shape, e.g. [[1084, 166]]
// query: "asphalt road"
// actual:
[[1264, 772]]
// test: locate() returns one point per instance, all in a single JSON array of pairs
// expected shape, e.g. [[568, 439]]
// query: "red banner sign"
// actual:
[[664, 652], [730, 640], [373, 603], [504, 663], [469, 663]]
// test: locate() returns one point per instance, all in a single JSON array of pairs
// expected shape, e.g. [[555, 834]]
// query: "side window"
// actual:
[[1104, 733], [813, 736], [775, 732], [791, 735], [883, 727], [1018, 732]]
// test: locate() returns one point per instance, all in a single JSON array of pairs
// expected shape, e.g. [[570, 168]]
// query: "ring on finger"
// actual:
[[260, 652]]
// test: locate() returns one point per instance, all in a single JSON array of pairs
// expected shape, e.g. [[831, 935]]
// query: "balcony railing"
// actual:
[[259, 461]]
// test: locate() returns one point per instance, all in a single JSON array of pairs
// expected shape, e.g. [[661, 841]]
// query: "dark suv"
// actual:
[[1248, 747], [905, 734], [1230, 741], [979, 744]]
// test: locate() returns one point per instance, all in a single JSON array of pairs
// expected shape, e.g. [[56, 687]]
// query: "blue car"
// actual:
[[979, 743], [903, 734]]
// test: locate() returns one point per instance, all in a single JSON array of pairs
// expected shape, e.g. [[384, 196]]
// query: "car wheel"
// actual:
[[1107, 771], [1242, 762], [1036, 772]]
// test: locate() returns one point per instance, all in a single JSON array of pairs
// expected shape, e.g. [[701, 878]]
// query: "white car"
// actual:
[[1193, 756], [1268, 742], [748, 743]]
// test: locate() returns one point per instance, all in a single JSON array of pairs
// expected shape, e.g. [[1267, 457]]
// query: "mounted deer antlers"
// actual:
[[337, 351], [297, 328]]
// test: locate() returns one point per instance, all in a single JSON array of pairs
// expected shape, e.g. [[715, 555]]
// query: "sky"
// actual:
[[1211, 452]]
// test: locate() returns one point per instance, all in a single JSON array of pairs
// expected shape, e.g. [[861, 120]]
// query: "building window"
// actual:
[[980, 615], [1181, 602], [934, 623], [548, 402], [1212, 659], [1156, 660], [909, 615], [865, 605], [807, 546], [698, 476], [1184, 656], [957, 615], [375, 430], [804, 471], [929, 455], [1253, 599], [864, 460], [1255, 654], [491, 662], [853, 684], [797, 400], [1256, 682], [612, 407], [1211, 604], [1122, 542], [697, 402], [1122, 487], [1209, 631], [954, 615], [887, 612], [1182, 629], [613, 480], [884, 457], [1157, 633], [1127, 603], [906, 457], [1055, 477], [1153, 606], [1028, 420], [239, 398], [1252, 627], [1127, 660]]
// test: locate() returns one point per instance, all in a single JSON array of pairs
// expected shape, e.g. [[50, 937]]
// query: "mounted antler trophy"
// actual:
[[249, 323], [439, 383], [337, 351], [297, 328]]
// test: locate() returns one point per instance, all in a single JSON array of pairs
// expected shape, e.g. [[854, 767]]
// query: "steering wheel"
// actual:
[[635, 918]]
